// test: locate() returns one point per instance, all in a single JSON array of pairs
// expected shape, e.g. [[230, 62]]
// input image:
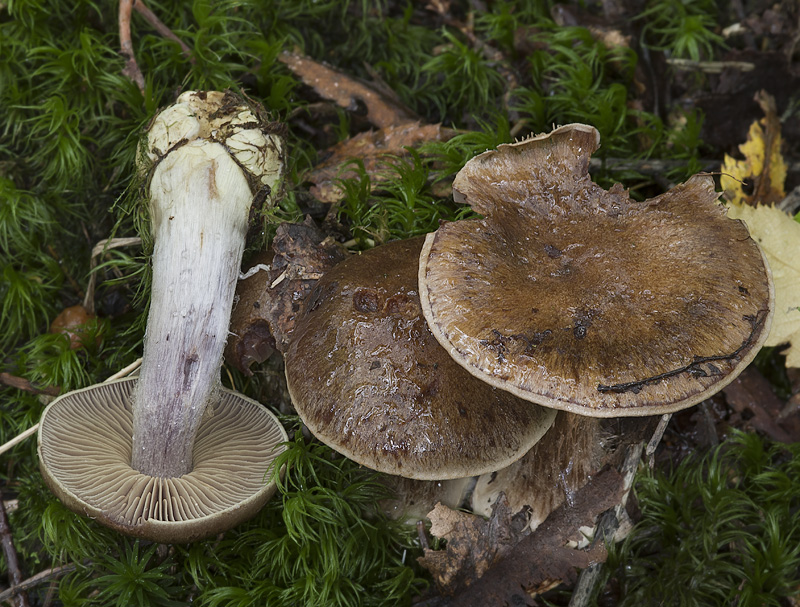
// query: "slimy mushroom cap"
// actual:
[[585, 300], [369, 380]]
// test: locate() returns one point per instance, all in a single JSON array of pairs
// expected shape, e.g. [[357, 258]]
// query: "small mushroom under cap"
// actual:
[[369, 380], [582, 299], [85, 457]]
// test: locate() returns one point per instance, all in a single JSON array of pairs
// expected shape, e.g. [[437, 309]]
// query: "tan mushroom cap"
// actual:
[[582, 299], [370, 381], [85, 455]]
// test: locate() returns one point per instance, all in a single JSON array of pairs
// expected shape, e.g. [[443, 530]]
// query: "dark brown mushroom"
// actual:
[[369, 379], [582, 299]]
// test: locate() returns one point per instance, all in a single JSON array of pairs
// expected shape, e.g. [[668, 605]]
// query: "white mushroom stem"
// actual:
[[200, 202], [209, 159]]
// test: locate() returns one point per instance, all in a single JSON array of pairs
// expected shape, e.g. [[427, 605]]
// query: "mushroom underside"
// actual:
[[85, 442]]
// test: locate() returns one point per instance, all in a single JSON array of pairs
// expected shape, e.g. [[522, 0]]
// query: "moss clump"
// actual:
[[719, 529]]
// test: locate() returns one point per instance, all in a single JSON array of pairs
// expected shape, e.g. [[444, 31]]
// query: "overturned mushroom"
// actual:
[[369, 380], [582, 299], [211, 161]]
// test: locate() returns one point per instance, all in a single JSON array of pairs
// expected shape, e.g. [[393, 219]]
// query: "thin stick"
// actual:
[[20, 383], [98, 249], [14, 573], [131, 69], [711, 67], [159, 26], [32, 430], [35, 580], [126, 371], [19, 438]]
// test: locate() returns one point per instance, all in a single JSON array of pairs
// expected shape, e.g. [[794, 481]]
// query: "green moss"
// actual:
[[69, 126], [719, 529]]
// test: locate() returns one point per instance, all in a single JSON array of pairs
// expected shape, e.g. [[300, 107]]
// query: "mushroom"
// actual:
[[412, 500], [369, 380], [172, 456], [583, 300]]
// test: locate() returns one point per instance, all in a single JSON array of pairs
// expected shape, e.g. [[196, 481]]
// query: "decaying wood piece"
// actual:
[[537, 561], [474, 544], [264, 316], [347, 92], [625, 442], [372, 149], [35, 580], [10, 554], [615, 524]]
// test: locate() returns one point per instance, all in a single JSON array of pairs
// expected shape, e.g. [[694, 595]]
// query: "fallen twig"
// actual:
[[35, 580], [32, 430], [12, 562], [710, 67], [542, 556], [98, 249], [162, 29], [131, 69], [20, 383]]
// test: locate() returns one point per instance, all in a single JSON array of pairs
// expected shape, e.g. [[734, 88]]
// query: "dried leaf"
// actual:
[[371, 148], [72, 322], [751, 395], [473, 544], [517, 564], [268, 301], [763, 164], [347, 92], [779, 237]]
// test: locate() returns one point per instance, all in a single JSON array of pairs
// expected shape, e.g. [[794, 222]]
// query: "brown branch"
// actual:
[[14, 573], [489, 52], [542, 556], [162, 29], [23, 384], [131, 69], [35, 580]]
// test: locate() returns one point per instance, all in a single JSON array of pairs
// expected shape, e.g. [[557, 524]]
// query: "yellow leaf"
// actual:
[[778, 235], [763, 166]]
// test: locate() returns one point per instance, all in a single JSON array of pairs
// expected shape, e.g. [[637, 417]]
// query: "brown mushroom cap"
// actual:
[[582, 299], [370, 381], [85, 458]]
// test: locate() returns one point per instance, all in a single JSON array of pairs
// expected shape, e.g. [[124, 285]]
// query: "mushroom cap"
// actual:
[[582, 299], [85, 454], [370, 381]]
